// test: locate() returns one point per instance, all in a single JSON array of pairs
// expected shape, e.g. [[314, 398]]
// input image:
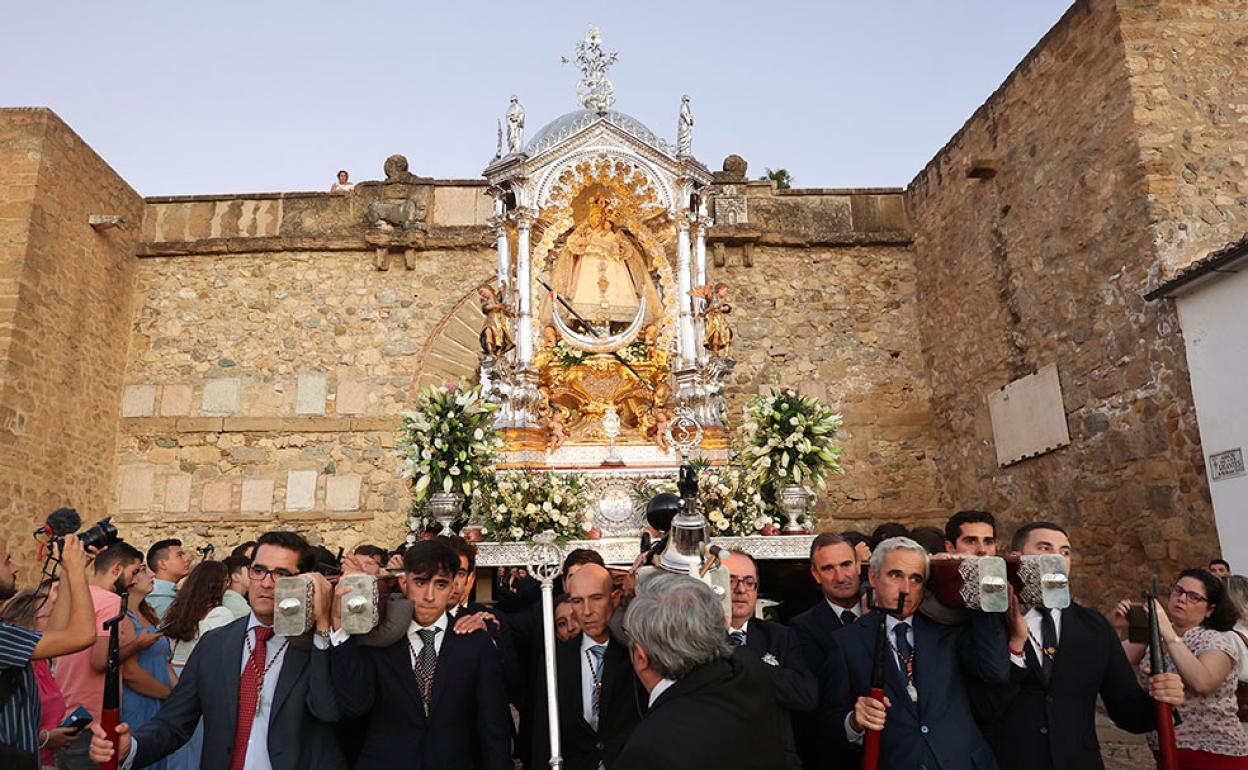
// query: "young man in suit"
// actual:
[[600, 699], [797, 691], [708, 709], [925, 715], [434, 699], [265, 700], [971, 533], [1044, 717]]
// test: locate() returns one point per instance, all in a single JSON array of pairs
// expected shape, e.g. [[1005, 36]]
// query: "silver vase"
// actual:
[[445, 508], [793, 500]]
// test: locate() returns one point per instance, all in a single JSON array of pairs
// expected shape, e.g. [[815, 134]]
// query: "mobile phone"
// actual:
[[1137, 624], [77, 721]]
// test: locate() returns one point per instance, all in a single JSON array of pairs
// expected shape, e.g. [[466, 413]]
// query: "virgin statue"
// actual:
[[601, 273]]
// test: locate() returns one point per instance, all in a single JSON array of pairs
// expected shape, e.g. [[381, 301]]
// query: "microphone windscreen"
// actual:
[[64, 521]]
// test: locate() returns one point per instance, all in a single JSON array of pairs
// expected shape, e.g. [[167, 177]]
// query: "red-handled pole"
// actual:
[[871, 739], [110, 713], [1167, 748]]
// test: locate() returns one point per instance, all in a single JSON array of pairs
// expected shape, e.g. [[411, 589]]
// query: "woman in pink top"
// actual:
[[32, 609], [1194, 630]]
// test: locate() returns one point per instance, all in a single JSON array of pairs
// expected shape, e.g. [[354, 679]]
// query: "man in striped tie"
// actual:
[[599, 695], [432, 699]]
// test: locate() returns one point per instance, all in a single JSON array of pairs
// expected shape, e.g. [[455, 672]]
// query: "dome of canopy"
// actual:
[[565, 126]]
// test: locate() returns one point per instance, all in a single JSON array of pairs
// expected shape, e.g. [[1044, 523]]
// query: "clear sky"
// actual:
[[193, 97]]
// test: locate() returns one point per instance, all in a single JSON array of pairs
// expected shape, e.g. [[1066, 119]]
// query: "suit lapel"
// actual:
[[925, 642], [756, 637], [615, 673], [568, 657], [294, 661], [398, 658], [232, 651], [445, 668]]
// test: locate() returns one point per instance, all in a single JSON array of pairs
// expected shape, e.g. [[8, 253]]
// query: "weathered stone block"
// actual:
[[310, 394], [217, 496], [138, 401], [351, 398], [178, 493], [342, 493], [137, 483], [175, 400], [257, 496], [301, 490], [221, 397]]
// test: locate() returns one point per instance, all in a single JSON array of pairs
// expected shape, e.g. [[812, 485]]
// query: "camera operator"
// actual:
[[70, 629]]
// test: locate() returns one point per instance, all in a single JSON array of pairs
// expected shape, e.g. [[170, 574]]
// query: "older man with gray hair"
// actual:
[[925, 715], [709, 708]]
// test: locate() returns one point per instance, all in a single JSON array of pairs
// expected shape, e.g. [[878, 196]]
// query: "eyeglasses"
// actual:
[[749, 583], [258, 573], [1190, 596]]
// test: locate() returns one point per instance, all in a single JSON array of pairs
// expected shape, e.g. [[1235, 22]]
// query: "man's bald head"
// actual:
[[594, 600]]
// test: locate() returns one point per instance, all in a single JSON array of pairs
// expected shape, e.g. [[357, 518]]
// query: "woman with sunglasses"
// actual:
[[1194, 628]]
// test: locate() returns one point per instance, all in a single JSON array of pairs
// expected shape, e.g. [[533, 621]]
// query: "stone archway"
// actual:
[[452, 351]]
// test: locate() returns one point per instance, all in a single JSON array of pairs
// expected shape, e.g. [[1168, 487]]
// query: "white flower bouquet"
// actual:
[[786, 440], [729, 498], [448, 442], [519, 504]]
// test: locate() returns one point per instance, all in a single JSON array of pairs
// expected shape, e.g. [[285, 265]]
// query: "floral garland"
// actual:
[[732, 503], [448, 442], [566, 355], [518, 504], [787, 440]]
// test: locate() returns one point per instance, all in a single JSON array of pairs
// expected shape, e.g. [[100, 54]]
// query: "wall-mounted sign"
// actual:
[[1027, 417], [1226, 465]]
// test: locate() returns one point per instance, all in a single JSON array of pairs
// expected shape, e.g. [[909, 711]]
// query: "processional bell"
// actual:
[[688, 532]]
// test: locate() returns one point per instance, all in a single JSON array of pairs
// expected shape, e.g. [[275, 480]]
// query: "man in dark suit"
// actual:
[[599, 696], [708, 707], [1044, 717], [433, 699], [925, 715], [266, 701], [836, 568], [797, 691]]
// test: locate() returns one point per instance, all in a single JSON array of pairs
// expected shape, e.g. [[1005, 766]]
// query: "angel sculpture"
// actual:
[[496, 339], [718, 335]]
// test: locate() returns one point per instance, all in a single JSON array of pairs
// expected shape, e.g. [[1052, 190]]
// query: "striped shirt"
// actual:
[[19, 719]]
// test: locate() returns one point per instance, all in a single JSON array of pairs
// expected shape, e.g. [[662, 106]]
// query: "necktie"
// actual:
[[848, 618], [1048, 639], [903, 646], [426, 663], [599, 652], [249, 696], [736, 638]]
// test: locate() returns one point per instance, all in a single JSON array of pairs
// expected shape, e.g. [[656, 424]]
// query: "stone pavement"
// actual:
[[1121, 750]]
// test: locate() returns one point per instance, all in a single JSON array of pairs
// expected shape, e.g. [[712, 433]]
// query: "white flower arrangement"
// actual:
[[519, 504], [448, 442], [787, 439], [732, 503]]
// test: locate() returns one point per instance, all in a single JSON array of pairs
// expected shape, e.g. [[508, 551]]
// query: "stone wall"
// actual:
[[66, 300], [1188, 65], [1045, 262]]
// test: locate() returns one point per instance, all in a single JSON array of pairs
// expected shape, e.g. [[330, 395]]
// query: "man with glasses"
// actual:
[[796, 689], [1044, 717], [266, 701]]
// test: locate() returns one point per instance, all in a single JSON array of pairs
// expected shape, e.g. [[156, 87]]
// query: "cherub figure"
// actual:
[[550, 337], [556, 429], [662, 418]]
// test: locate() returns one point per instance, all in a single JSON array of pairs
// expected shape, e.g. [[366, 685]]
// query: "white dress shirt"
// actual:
[[413, 638], [890, 623], [855, 608], [658, 690], [1033, 625], [258, 740], [587, 675], [745, 628]]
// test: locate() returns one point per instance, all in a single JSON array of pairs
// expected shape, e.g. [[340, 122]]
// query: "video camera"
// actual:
[[64, 522]]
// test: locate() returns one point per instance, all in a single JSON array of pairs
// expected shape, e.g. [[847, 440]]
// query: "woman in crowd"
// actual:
[[34, 609], [1194, 630], [1237, 590], [146, 678], [195, 611]]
